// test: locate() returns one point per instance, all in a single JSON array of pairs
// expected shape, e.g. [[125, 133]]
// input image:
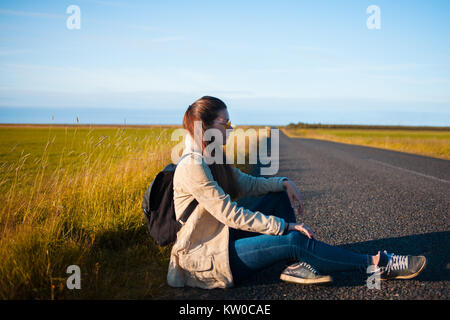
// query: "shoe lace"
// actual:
[[397, 262], [309, 267]]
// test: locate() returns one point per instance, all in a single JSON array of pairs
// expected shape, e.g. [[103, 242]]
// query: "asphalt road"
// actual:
[[363, 199]]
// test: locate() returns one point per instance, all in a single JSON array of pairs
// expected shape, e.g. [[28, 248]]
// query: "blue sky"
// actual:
[[272, 62]]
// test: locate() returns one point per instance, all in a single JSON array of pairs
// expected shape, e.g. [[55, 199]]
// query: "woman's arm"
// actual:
[[293, 194], [255, 186], [250, 185], [196, 178], [301, 227]]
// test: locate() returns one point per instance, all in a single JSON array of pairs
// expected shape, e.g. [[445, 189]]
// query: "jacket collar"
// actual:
[[190, 145]]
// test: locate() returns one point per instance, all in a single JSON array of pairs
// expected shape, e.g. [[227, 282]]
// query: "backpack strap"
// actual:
[[190, 208], [188, 211], [188, 153]]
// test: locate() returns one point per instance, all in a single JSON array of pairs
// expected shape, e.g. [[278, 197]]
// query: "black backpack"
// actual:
[[159, 208]]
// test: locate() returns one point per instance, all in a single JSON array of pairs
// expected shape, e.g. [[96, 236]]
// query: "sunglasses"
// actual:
[[225, 125]]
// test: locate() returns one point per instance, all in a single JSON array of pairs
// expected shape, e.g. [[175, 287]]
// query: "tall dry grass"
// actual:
[[55, 218], [77, 201]]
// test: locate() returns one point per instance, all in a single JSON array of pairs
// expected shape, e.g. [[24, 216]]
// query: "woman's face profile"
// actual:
[[220, 123]]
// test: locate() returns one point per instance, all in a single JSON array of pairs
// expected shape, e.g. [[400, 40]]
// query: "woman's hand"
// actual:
[[293, 194], [303, 228]]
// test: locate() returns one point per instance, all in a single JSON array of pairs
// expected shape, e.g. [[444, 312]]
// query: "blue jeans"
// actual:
[[250, 252]]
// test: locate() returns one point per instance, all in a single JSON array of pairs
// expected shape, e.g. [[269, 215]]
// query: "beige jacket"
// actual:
[[199, 257]]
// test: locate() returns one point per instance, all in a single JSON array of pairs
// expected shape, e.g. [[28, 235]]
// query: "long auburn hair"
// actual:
[[206, 109]]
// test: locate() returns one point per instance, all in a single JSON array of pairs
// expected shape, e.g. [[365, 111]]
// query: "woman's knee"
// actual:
[[285, 205], [277, 203], [275, 195], [284, 197], [299, 239]]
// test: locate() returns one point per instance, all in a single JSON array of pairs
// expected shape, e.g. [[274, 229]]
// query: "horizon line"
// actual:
[[6, 124]]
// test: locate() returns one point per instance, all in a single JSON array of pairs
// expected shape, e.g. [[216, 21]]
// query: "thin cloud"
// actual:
[[14, 52], [144, 27], [414, 81], [30, 14], [166, 39], [113, 3], [162, 31]]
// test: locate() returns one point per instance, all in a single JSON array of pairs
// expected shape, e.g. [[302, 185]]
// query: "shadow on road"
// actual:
[[434, 246]]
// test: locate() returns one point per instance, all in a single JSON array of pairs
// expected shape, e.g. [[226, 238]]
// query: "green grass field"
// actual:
[[433, 143], [72, 196]]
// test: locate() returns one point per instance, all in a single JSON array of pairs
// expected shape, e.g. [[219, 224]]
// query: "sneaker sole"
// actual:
[[323, 279], [411, 275]]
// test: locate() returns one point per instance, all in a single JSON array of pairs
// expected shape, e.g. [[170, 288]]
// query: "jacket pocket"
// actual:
[[193, 262]]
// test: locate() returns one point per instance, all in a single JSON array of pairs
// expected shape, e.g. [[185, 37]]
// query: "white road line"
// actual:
[[410, 171]]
